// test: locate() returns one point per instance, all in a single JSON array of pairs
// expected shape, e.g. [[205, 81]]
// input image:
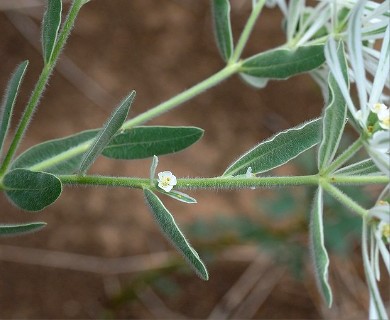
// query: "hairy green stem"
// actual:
[[344, 157], [41, 84], [343, 198], [219, 182], [247, 31], [184, 96]]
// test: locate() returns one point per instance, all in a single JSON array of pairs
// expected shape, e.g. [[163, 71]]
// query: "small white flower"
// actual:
[[384, 119], [378, 148], [166, 180], [378, 108]]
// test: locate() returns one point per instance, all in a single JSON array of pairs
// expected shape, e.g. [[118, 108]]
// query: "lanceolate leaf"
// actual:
[[50, 26], [364, 167], [32, 191], [335, 114], [180, 196], [145, 142], [19, 229], [169, 227], [284, 63], [104, 136], [62, 156], [222, 27], [277, 150], [375, 296], [256, 82], [8, 103], [319, 253]]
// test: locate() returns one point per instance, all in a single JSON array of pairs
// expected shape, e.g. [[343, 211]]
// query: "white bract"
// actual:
[[166, 180], [371, 94]]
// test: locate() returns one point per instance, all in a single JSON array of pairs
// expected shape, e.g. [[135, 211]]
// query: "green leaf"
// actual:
[[277, 150], [180, 196], [32, 191], [109, 129], [317, 246], [369, 265], [50, 26], [9, 99], [145, 142], [169, 227], [19, 229], [255, 82], [61, 156], [153, 168], [364, 167], [284, 63], [222, 27], [334, 117]]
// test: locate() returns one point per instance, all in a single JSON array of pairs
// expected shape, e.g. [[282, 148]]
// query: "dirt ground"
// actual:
[[101, 255]]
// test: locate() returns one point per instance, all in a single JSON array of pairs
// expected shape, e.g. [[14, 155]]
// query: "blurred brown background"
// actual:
[[101, 254]]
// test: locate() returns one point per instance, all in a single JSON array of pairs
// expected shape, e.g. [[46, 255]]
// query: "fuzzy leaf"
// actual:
[[375, 296], [277, 150], [50, 26], [255, 82], [222, 27], [145, 142], [9, 99], [334, 117], [180, 196], [62, 156], [32, 191], [284, 63], [364, 167], [169, 227], [318, 250], [19, 229], [105, 135]]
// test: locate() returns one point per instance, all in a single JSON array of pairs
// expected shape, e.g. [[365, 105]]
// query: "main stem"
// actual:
[[41, 84], [222, 182]]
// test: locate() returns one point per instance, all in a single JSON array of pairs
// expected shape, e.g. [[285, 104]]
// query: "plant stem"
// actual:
[[343, 198], [351, 180], [184, 96], [345, 156], [218, 182], [41, 84], [247, 31]]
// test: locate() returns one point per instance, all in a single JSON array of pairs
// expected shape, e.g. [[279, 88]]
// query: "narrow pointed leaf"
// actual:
[[277, 150], [180, 196], [61, 156], [375, 295], [318, 250], [104, 136], [284, 63], [364, 167], [145, 142], [256, 82], [334, 117], [19, 229], [50, 26], [32, 191], [222, 27], [169, 227], [9, 99], [153, 168]]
